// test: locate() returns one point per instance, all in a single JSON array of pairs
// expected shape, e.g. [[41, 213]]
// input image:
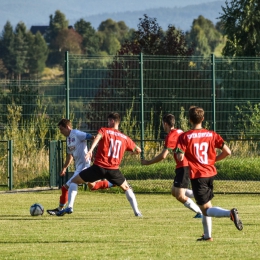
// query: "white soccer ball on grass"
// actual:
[[36, 209]]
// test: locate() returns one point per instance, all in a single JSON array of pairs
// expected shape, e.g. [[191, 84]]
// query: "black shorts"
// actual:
[[202, 189], [181, 179], [94, 173]]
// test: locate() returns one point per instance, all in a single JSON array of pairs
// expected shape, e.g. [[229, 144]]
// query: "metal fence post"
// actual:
[[142, 103], [67, 84], [10, 164], [213, 92], [59, 162]]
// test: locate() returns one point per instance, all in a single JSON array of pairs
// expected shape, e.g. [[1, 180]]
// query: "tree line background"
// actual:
[[24, 55]]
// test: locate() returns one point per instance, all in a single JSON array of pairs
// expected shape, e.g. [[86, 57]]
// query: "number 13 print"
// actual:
[[201, 152]]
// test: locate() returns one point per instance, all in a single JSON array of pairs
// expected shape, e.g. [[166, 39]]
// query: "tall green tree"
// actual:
[[121, 79], [204, 35], [241, 25], [21, 47], [151, 39], [3, 69], [90, 42], [7, 53], [57, 24], [112, 34], [117, 29], [37, 53]]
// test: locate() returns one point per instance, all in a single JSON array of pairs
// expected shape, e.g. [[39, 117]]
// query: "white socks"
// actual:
[[218, 212], [189, 193], [132, 200], [73, 190], [207, 226], [190, 204]]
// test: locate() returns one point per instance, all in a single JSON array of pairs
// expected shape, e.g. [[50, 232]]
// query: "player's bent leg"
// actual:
[[189, 193], [187, 202], [98, 185], [173, 191], [78, 180], [180, 194]]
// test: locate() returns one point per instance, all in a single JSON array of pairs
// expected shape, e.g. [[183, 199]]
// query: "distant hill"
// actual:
[[180, 17], [179, 13]]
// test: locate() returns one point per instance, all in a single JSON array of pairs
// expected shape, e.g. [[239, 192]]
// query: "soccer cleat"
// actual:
[[53, 211], [64, 211], [139, 215], [210, 239], [234, 217], [198, 215]]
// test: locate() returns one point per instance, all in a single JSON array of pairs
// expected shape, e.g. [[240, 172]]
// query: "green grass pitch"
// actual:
[[103, 226]]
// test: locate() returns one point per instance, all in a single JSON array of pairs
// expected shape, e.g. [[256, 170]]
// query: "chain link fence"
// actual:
[[142, 89]]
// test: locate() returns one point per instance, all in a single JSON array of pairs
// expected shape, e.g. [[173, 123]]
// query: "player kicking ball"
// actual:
[[76, 150], [112, 145]]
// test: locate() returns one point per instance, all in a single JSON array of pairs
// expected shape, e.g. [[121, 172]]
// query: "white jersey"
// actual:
[[76, 145]]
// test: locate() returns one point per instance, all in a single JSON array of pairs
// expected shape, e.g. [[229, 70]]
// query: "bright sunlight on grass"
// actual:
[[103, 226]]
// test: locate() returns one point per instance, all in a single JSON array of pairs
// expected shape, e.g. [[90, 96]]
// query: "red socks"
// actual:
[[101, 185], [64, 196]]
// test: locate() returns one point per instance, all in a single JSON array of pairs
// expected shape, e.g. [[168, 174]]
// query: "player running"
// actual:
[[181, 181], [199, 147]]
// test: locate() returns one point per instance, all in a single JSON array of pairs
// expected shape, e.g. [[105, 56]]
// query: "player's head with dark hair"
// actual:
[[169, 119], [65, 126], [65, 122], [196, 114], [115, 116]]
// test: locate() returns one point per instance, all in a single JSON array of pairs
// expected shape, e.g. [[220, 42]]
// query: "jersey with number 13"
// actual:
[[111, 148], [199, 147]]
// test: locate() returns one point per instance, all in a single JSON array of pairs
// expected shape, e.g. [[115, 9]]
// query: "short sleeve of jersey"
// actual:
[[80, 135], [172, 138], [111, 148], [181, 143], [219, 142]]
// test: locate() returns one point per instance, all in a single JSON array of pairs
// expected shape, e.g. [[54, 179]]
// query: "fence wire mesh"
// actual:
[[142, 89]]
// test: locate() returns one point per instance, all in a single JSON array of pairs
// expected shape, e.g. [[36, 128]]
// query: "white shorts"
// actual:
[[75, 174]]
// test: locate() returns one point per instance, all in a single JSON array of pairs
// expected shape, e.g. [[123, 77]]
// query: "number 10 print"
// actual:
[[114, 148]]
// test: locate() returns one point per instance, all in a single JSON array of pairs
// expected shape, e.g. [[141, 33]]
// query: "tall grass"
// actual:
[[31, 155]]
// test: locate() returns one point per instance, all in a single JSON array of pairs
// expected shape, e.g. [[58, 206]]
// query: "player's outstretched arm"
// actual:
[[94, 144], [156, 159], [137, 150]]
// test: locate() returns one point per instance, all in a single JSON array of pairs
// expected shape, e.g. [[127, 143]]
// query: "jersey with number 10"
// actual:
[[199, 147], [111, 148]]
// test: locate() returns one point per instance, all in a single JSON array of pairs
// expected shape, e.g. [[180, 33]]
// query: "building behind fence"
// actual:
[[142, 89]]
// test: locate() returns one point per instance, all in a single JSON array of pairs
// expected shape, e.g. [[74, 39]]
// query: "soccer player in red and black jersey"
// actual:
[[181, 181], [112, 145], [199, 147]]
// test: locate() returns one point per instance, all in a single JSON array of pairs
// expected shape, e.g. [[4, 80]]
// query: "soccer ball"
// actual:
[[36, 209]]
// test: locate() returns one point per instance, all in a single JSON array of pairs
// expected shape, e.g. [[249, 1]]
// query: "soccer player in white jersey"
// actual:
[[76, 150]]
